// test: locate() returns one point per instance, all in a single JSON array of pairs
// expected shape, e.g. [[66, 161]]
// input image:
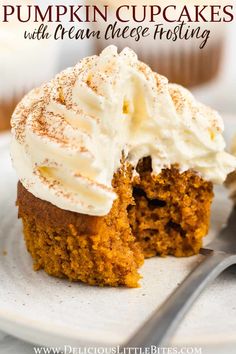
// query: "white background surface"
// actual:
[[221, 95]]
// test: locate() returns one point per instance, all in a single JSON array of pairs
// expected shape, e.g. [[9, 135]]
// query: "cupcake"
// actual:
[[115, 165], [181, 61], [24, 64]]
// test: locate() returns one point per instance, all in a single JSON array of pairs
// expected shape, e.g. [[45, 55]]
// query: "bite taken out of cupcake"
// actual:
[[115, 165]]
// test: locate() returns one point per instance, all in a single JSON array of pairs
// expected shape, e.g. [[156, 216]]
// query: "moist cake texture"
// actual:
[[115, 165], [95, 250], [171, 211], [153, 215]]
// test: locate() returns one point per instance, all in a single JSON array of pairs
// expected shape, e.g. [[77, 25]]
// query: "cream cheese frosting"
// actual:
[[231, 179], [70, 135]]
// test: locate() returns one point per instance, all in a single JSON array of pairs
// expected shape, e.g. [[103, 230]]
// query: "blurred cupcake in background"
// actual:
[[182, 61], [24, 63]]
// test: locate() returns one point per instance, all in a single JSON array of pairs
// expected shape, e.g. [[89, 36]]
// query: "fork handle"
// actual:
[[162, 324]]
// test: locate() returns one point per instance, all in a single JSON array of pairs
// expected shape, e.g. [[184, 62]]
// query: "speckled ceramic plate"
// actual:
[[48, 311]]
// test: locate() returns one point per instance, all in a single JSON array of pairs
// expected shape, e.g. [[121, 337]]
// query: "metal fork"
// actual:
[[219, 255]]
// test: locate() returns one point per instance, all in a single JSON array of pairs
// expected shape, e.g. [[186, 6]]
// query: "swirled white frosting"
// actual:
[[69, 135]]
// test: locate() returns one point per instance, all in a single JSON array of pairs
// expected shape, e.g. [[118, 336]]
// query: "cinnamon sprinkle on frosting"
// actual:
[[70, 135]]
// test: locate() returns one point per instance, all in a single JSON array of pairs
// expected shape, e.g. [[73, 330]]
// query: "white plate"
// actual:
[[48, 311]]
